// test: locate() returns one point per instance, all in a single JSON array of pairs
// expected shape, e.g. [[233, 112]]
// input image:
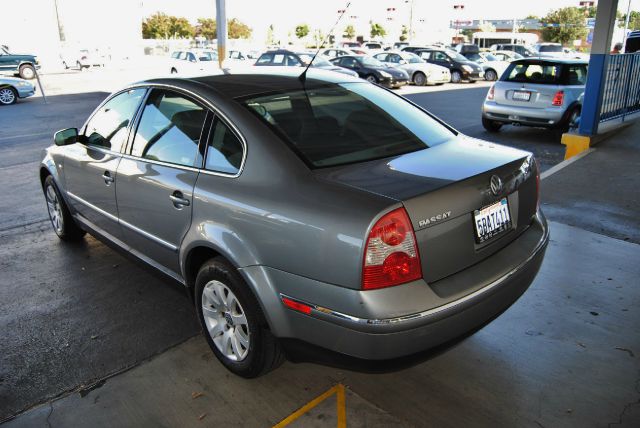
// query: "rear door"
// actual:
[[90, 165], [157, 177]]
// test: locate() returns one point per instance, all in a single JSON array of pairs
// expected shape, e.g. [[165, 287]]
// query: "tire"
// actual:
[[232, 321], [174, 71], [8, 96], [61, 220], [419, 79], [27, 71], [64, 64], [456, 76], [570, 121], [371, 78], [79, 65], [490, 75], [491, 125]]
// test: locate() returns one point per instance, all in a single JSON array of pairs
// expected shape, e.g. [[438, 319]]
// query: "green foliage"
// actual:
[[349, 32], [532, 17], [302, 31], [570, 23], [163, 26], [377, 31], [589, 12], [404, 34], [207, 28], [270, 38], [238, 30], [634, 20]]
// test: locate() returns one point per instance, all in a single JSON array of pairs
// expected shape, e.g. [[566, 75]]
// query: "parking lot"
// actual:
[[89, 335]]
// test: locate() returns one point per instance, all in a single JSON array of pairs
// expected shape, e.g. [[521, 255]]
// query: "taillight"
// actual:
[[558, 98], [391, 255], [490, 94]]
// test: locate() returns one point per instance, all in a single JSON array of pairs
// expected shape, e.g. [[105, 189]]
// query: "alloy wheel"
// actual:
[[372, 79], [225, 320], [7, 96], [55, 209]]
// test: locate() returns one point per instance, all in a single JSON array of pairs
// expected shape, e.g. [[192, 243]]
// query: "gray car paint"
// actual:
[[290, 230]]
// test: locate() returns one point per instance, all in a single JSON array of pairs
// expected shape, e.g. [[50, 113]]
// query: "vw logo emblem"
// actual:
[[496, 185]]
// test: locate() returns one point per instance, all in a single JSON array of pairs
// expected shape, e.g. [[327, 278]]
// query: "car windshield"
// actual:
[[456, 56], [539, 73], [412, 58], [318, 62], [208, 56], [347, 123], [490, 57], [5, 51], [550, 48], [370, 61], [475, 57]]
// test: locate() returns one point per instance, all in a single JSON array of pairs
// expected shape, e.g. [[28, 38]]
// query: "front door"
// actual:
[[155, 182], [90, 165]]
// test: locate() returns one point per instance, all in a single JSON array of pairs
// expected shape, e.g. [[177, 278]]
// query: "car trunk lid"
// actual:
[[441, 187]]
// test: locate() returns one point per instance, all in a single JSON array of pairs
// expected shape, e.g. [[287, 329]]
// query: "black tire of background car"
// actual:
[[491, 125], [265, 353], [71, 232], [419, 79], [27, 70], [490, 75], [456, 76], [371, 78]]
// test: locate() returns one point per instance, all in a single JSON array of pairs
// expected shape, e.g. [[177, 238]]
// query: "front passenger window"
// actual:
[[108, 127], [170, 129]]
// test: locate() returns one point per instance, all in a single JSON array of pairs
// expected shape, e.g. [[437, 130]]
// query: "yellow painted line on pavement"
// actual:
[[338, 390]]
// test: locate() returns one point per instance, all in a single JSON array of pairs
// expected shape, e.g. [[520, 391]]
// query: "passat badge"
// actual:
[[433, 219]]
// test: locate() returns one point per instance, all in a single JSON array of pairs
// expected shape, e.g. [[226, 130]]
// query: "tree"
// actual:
[[532, 17], [349, 32], [163, 26], [564, 25], [238, 29], [377, 31], [589, 11], [634, 20], [270, 38], [487, 27], [302, 31], [208, 28], [404, 34]]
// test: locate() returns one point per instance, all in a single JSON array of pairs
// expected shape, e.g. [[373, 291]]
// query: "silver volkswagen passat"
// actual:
[[324, 209]]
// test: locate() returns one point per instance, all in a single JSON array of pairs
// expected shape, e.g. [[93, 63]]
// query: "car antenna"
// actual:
[[303, 76]]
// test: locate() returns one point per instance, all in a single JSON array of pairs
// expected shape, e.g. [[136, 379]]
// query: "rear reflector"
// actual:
[[296, 306], [558, 99], [391, 255]]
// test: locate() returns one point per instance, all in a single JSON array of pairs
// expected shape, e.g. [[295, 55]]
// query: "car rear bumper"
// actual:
[[376, 325], [547, 117], [473, 76]]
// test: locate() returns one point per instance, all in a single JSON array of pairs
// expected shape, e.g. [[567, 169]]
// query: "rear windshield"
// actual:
[[347, 123], [539, 73], [550, 48]]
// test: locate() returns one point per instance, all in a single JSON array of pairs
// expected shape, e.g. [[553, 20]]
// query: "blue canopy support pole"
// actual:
[[602, 34], [221, 30]]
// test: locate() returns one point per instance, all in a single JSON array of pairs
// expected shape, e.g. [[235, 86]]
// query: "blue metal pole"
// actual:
[[602, 33]]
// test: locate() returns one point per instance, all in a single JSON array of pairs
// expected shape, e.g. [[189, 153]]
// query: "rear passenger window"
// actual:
[[224, 153], [170, 128], [577, 75]]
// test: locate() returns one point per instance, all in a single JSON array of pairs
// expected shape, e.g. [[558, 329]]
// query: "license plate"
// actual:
[[492, 220], [521, 95]]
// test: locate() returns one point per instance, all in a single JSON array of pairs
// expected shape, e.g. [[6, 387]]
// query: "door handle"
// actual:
[[178, 199], [108, 179]]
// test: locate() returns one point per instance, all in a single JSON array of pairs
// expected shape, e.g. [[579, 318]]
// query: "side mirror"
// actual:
[[66, 137]]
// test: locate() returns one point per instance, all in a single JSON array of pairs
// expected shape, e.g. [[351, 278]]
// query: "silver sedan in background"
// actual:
[[13, 88], [420, 72]]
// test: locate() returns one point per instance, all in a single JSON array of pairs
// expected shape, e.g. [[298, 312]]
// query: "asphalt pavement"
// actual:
[[71, 316]]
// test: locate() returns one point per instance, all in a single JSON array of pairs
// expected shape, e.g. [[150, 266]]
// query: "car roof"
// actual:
[[247, 82], [550, 60]]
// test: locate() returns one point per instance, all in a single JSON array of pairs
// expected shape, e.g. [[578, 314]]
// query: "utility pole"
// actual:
[[61, 35], [221, 30]]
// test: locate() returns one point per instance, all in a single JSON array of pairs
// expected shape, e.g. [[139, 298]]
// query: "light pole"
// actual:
[[61, 35], [458, 7]]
